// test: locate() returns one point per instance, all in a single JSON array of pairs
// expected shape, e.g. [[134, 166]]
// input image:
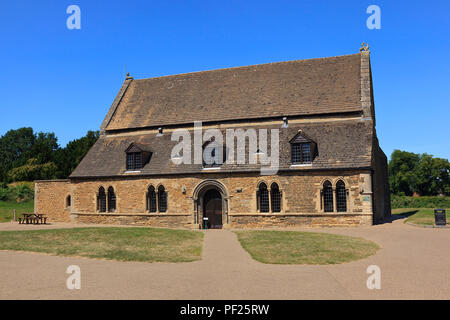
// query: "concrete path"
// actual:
[[414, 264]]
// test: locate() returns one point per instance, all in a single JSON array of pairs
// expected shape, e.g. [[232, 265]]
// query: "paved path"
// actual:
[[414, 263]]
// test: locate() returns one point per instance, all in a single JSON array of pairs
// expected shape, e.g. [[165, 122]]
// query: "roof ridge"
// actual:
[[247, 66]]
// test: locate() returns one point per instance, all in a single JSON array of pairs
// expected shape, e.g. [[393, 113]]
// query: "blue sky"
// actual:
[[63, 81]]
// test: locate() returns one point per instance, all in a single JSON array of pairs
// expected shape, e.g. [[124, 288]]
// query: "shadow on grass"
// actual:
[[398, 216]]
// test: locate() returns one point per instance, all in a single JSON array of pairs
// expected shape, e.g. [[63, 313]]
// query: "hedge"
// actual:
[[419, 202]]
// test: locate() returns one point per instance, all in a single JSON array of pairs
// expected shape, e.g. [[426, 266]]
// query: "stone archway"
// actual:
[[207, 196]]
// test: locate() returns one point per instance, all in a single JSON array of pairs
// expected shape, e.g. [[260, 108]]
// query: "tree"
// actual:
[[401, 172], [67, 159], [18, 146], [420, 173], [15, 149], [44, 147], [32, 170], [25, 155], [441, 176]]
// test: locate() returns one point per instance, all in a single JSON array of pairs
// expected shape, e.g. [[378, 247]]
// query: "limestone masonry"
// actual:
[[331, 170]]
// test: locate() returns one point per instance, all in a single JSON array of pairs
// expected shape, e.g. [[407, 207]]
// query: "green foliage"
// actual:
[[32, 170], [23, 193], [15, 149], [25, 155], [68, 158], [419, 202], [16, 193], [44, 147], [421, 173], [5, 194]]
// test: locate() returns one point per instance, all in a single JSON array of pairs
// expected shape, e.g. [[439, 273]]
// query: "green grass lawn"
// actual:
[[7, 209], [294, 247], [420, 216], [116, 243]]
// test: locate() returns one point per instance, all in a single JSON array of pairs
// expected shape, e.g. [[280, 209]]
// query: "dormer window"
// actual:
[[301, 152], [213, 154], [137, 156], [134, 160], [303, 149]]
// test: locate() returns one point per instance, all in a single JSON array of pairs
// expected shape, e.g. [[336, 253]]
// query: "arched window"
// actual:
[[327, 196], [263, 198], [151, 199], [101, 200], [162, 199], [341, 196], [68, 201], [111, 200], [275, 197]]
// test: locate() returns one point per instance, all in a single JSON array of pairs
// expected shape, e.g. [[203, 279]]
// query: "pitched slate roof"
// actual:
[[292, 88], [341, 144]]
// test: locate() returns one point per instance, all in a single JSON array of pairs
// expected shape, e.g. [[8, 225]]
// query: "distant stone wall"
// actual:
[[50, 199]]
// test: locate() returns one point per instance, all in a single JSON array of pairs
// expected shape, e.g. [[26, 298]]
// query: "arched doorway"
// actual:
[[212, 209], [211, 202]]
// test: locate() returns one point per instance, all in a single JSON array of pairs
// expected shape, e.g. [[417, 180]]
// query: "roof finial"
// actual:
[[364, 48], [128, 77]]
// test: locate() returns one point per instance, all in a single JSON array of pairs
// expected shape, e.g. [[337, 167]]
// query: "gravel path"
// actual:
[[414, 264]]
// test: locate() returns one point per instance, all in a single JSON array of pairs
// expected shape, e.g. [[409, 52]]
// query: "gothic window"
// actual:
[[68, 201], [327, 196], [263, 198], [101, 200], [111, 200], [275, 197], [151, 199], [162, 199], [341, 197]]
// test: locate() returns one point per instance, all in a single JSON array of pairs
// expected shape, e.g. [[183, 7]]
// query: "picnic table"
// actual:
[[33, 218]]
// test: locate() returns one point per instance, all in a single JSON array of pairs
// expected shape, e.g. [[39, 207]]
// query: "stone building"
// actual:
[[330, 170]]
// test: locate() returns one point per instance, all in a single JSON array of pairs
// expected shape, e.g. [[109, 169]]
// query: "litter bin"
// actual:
[[439, 217], [205, 223]]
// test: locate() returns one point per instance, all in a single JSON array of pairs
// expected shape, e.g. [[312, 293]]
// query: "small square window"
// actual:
[[306, 152], [301, 153], [296, 153], [134, 160]]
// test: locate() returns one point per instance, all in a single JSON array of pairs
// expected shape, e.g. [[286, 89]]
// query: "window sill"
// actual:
[[132, 171], [211, 168], [298, 165]]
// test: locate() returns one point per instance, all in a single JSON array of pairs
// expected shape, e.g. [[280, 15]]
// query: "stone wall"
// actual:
[[300, 191], [150, 220], [301, 200], [300, 220], [50, 199], [381, 189]]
